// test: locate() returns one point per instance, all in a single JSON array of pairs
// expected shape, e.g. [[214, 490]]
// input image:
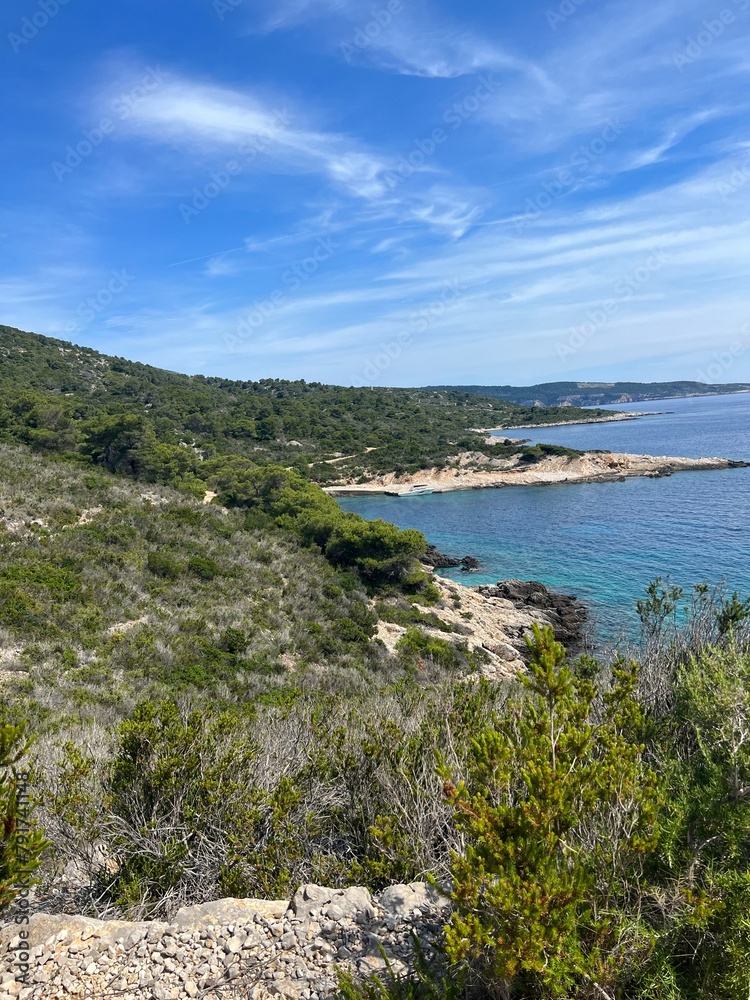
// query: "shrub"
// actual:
[[556, 810], [21, 842], [203, 567], [178, 800], [415, 645], [427, 981], [163, 565], [380, 551], [701, 873]]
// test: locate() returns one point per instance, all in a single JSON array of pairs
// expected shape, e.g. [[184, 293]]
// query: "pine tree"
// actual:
[[557, 809]]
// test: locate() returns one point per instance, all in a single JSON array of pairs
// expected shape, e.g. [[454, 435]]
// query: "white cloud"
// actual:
[[618, 60], [411, 39], [674, 135], [203, 118]]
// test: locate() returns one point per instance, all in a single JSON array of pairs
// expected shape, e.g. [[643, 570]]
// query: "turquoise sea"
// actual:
[[605, 541]]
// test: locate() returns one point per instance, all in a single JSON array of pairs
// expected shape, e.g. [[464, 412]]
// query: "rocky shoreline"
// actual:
[[614, 418], [475, 471], [567, 616], [495, 621], [438, 560]]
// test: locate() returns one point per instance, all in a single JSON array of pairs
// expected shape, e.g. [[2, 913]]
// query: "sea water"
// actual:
[[604, 542]]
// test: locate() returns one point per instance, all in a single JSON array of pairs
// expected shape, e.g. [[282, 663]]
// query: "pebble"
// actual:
[[260, 954]]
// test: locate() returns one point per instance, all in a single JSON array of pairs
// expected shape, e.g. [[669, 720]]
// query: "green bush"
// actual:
[[380, 551], [407, 615], [427, 981], [557, 808], [22, 843], [701, 871], [177, 783], [415, 646], [163, 565], [203, 567]]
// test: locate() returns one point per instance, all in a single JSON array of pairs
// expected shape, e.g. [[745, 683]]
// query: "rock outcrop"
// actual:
[[230, 948], [497, 620], [564, 613], [475, 471], [438, 560]]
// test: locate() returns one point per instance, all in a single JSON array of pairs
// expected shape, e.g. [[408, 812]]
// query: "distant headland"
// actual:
[[596, 393]]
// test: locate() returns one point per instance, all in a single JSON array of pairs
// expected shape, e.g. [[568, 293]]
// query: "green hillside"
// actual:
[[195, 698], [108, 584], [163, 427], [593, 393]]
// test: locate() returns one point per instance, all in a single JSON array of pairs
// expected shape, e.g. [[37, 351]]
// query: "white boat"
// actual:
[[420, 490]]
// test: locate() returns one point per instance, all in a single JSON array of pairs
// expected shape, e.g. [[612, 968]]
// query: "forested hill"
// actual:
[[593, 393], [161, 425]]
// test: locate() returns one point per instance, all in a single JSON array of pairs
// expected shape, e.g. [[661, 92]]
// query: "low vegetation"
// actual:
[[594, 841], [162, 427], [195, 705]]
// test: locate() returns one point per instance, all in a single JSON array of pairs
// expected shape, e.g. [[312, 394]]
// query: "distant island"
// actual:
[[593, 393]]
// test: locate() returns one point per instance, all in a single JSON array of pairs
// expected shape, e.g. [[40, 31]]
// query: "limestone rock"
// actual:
[[257, 948], [228, 911]]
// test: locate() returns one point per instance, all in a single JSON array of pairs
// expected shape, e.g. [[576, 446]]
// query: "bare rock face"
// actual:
[[228, 911], [564, 613], [232, 947], [315, 900], [438, 560], [496, 621], [402, 901]]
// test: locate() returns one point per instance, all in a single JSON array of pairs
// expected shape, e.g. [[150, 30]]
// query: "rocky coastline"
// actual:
[[475, 471], [438, 560], [614, 418], [567, 616], [496, 620]]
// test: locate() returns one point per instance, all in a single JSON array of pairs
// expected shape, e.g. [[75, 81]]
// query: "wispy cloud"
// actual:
[[674, 135], [205, 117], [341, 145], [407, 38], [609, 63]]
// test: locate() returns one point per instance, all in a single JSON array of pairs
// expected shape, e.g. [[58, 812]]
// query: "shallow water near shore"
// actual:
[[604, 541]]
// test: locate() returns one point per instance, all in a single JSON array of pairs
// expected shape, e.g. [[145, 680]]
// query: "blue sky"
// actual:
[[393, 192]]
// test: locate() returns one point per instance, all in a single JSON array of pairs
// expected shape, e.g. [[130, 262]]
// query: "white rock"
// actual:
[[234, 944]]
